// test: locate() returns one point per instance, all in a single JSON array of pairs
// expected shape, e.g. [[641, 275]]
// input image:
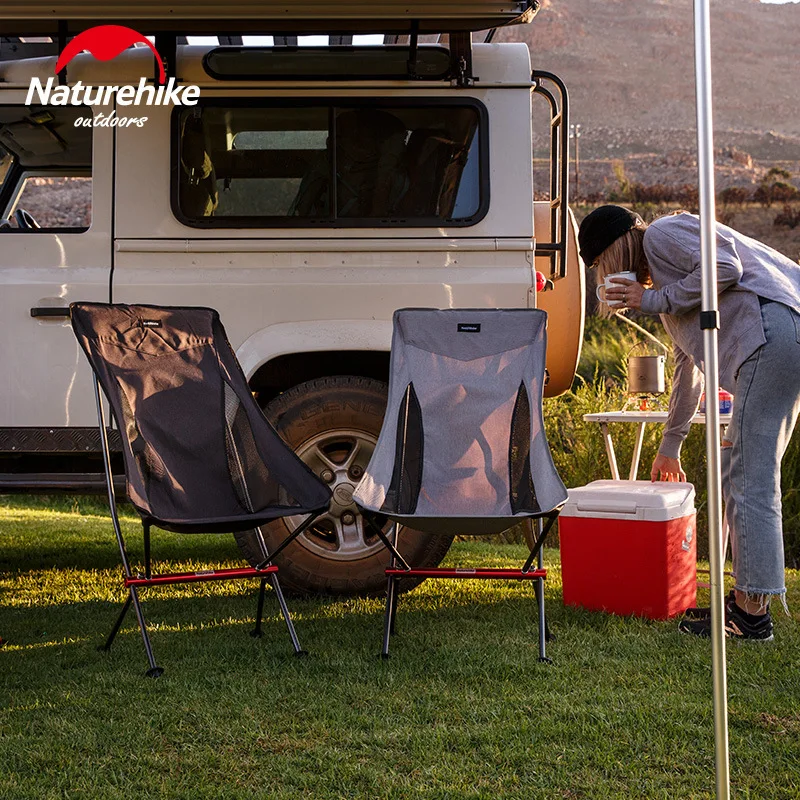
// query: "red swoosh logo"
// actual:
[[105, 42]]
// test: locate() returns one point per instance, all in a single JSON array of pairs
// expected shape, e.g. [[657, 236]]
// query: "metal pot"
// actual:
[[646, 374]]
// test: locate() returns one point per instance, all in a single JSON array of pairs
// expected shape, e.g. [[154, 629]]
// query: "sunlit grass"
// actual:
[[462, 710]]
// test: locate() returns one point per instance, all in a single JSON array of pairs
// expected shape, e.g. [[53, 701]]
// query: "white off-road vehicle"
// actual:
[[316, 186]]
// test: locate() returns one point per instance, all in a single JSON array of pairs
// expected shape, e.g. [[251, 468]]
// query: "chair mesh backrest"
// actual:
[[196, 444], [464, 433]]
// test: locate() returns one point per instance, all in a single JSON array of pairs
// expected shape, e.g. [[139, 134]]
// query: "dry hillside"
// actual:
[[629, 67]]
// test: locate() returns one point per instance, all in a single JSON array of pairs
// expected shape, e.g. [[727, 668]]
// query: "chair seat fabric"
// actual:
[[199, 453], [463, 438]]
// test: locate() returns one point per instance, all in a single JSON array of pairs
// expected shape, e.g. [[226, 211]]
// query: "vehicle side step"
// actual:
[[57, 482]]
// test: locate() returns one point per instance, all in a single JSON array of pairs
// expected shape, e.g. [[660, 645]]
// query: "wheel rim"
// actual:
[[340, 459]]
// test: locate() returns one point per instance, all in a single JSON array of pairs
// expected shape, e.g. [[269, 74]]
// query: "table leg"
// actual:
[[637, 452], [612, 457]]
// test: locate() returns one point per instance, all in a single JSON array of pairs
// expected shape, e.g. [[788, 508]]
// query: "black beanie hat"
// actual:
[[603, 227]]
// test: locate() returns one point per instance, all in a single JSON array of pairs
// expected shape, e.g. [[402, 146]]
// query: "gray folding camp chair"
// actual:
[[462, 448], [200, 456]]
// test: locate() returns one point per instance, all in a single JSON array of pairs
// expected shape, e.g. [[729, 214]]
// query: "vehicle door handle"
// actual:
[[50, 312]]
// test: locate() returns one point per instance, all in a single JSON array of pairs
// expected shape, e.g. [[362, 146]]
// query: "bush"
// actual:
[[729, 201], [775, 188], [578, 450], [790, 491], [788, 218], [606, 344], [623, 182], [783, 192], [651, 196], [734, 196]]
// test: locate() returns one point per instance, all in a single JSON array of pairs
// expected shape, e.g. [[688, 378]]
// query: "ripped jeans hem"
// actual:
[[756, 593]]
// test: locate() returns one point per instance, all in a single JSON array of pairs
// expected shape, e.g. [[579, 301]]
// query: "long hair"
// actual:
[[625, 254]]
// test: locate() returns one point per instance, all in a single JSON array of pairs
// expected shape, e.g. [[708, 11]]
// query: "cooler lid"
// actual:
[[641, 500]]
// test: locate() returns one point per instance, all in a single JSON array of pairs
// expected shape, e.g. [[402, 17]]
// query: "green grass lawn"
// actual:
[[462, 710]]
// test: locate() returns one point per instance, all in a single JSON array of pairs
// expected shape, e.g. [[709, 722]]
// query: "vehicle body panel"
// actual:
[[46, 380], [279, 290]]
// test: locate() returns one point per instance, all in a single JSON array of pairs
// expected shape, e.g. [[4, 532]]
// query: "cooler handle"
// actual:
[[608, 508]]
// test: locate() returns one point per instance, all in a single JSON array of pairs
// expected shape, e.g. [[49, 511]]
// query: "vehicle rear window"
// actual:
[[335, 164]]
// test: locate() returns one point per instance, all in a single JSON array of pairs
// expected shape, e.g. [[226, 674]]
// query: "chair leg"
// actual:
[[392, 625], [395, 582], [154, 671], [276, 587], [549, 636], [544, 632], [391, 609], [117, 625], [391, 589], [257, 632]]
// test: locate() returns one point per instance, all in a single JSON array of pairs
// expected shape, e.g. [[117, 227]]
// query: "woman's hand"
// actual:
[[629, 293], [667, 469]]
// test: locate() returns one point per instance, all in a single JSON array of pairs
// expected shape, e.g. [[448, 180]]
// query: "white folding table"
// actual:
[[641, 418]]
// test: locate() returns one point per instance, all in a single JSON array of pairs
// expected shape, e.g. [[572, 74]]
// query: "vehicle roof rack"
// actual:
[[37, 17], [26, 28]]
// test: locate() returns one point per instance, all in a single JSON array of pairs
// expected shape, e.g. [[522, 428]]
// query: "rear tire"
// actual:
[[333, 425]]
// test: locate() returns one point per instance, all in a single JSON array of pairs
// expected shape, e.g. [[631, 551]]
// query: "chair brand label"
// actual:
[[151, 323], [469, 327]]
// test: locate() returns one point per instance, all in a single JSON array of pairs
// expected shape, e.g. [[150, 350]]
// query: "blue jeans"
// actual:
[[765, 408]]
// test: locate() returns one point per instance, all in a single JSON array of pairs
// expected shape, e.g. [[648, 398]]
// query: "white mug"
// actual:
[[609, 284]]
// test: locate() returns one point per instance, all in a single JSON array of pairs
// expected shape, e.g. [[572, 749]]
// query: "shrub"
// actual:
[[734, 196], [606, 344], [775, 173], [655, 193], [774, 188], [688, 196], [763, 195], [578, 449], [729, 201], [623, 193], [788, 218], [783, 192]]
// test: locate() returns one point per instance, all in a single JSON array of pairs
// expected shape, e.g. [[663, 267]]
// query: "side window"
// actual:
[[263, 171], [338, 164], [57, 202], [45, 169]]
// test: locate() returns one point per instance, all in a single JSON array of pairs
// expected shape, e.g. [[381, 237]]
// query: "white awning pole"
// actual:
[[709, 323]]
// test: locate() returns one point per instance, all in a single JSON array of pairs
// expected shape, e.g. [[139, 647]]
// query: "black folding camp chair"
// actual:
[[462, 448], [200, 457]]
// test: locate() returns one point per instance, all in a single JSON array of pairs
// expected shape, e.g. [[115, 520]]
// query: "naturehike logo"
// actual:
[[469, 327], [106, 42]]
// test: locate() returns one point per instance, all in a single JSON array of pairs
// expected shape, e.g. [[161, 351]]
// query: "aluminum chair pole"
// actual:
[[709, 323]]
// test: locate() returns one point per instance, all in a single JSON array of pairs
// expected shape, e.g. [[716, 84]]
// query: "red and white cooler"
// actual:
[[629, 547]]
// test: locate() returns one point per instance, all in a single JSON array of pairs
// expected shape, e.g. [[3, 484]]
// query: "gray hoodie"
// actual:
[[746, 270]]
